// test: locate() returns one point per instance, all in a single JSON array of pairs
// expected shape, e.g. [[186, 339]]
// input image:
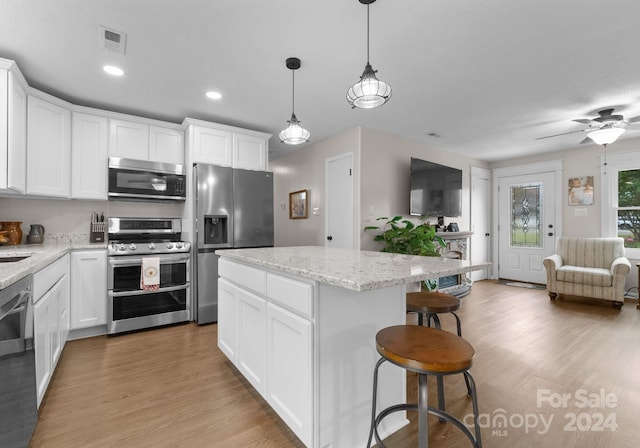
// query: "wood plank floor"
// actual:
[[172, 387]]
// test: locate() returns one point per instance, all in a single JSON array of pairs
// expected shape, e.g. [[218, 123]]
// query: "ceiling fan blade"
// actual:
[[634, 119], [557, 135], [586, 140], [583, 120]]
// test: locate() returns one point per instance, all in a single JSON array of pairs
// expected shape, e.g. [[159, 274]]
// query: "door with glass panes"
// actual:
[[527, 231]]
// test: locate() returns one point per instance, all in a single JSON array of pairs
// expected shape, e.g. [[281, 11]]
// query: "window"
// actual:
[[621, 200], [525, 215], [628, 209]]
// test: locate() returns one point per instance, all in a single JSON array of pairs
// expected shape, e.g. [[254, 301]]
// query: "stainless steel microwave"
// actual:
[[141, 180]]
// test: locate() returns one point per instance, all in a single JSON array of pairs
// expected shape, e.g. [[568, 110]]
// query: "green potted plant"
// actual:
[[402, 236]]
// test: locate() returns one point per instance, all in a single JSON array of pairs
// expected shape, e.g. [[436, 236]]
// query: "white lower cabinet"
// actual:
[[269, 341], [252, 333], [290, 370], [50, 319], [227, 322], [88, 289], [42, 344]]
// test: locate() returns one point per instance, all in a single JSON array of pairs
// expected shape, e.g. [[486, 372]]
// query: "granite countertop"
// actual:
[[40, 256], [351, 269]]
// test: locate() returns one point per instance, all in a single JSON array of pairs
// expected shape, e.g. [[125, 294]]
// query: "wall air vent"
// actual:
[[112, 40]]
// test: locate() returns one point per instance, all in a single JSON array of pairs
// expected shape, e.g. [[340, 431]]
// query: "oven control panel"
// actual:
[[143, 248]]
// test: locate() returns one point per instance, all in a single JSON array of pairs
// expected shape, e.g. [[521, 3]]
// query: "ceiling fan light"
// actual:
[[606, 136], [369, 92], [294, 134]]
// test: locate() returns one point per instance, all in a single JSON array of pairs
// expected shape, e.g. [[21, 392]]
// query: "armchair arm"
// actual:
[[620, 265], [551, 264]]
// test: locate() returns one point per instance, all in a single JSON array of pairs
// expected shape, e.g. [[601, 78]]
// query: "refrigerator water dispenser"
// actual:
[[215, 229]]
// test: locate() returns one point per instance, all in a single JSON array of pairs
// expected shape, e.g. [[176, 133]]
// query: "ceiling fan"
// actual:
[[603, 129]]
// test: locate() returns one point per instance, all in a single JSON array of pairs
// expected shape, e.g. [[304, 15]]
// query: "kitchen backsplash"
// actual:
[[71, 218]]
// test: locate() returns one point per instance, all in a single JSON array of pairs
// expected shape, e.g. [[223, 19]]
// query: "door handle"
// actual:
[[550, 233], [329, 238]]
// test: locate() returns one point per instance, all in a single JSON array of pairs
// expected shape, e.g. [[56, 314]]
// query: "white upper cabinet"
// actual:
[[228, 146], [166, 145], [48, 148], [13, 133], [212, 146], [129, 140], [89, 153], [249, 152], [133, 140]]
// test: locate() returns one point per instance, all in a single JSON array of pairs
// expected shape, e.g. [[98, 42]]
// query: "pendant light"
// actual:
[[294, 134], [369, 92]]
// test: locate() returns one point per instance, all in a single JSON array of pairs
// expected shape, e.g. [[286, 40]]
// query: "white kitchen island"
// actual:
[[300, 323]]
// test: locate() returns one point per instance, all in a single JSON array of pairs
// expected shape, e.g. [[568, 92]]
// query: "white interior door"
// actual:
[[480, 221], [527, 225], [339, 186]]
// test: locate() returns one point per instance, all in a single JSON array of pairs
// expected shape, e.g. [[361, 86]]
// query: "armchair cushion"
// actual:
[[585, 276]]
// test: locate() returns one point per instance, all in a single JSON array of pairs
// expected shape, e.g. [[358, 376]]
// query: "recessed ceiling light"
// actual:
[[214, 95], [113, 70]]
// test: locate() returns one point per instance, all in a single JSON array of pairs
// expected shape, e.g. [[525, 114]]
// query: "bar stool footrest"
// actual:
[[414, 407]]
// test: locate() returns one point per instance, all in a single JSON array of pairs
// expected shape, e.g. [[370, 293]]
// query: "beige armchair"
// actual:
[[588, 267]]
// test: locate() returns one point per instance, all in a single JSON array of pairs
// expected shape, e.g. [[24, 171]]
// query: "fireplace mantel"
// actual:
[[454, 235]]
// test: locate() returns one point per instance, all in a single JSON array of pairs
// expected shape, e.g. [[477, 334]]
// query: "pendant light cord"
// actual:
[[367, 34], [293, 91]]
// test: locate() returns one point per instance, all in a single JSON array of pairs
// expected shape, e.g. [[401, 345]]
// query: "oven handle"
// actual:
[[138, 292], [164, 259]]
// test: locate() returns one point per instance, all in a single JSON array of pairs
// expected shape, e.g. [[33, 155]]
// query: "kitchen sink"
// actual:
[[13, 258]]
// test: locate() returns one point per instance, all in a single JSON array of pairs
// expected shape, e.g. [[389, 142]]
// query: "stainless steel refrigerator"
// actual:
[[234, 209]]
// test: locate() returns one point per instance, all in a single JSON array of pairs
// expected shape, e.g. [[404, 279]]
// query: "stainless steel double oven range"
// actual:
[[131, 307]]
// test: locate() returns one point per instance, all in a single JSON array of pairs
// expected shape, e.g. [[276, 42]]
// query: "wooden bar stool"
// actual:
[[429, 304], [426, 351]]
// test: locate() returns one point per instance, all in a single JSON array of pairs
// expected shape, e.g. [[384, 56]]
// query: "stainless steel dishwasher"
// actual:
[[18, 408]]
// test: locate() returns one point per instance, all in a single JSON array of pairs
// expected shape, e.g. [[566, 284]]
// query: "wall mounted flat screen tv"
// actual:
[[436, 190]]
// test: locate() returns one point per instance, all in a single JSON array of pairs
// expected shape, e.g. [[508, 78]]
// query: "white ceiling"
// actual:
[[490, 76]]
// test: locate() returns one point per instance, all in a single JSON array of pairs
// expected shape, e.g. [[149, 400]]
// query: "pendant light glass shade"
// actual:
[[369, 92], [605, 136], [294, 134]]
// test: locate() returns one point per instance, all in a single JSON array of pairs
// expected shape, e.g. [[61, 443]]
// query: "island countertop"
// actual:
[[352, 269]]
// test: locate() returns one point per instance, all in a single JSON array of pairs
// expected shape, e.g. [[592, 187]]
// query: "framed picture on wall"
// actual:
[[298, 204], [581, 190]]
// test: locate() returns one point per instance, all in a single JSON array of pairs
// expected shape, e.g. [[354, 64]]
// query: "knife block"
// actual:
[[97, 232]]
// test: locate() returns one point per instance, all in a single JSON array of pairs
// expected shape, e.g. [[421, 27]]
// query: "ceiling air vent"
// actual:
[[112, 40]]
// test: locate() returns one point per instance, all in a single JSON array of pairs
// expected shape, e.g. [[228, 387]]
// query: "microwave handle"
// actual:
[[146, 196]]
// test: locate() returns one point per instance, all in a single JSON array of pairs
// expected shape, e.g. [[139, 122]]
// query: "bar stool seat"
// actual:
[[432, 303], [426, 351]]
